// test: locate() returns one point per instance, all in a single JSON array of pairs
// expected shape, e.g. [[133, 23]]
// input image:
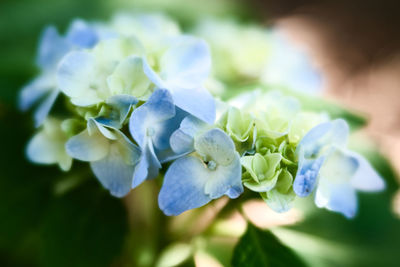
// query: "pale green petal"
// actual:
[[47, 147], [264, 185], [88, 147], [129, 78], [277, 201], [239, 125]]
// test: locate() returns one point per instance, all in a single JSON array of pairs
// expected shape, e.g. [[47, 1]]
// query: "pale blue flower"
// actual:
[[194, 180], [52, 48], [112, 156], [289, 66], [151, 126], [184, 67], [326, 163]]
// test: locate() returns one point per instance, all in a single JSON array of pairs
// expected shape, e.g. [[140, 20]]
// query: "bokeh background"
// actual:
[[47, 220]]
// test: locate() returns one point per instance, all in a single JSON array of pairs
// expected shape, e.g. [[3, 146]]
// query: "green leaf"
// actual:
[[262, 248], [85, 227]]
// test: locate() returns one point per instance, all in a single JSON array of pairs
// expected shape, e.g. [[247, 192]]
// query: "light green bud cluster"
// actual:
[[266, 130]]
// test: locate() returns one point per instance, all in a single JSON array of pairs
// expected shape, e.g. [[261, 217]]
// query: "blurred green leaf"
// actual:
[[371, 239], [85, 227], [262, 248]]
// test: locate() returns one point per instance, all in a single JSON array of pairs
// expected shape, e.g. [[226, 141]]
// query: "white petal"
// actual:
[[75, 73]]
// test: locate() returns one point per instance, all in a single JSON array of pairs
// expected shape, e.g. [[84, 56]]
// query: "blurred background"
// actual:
[[46, 220]]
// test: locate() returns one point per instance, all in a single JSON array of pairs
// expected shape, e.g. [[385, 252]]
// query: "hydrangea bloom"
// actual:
[[151, 126], [325, 163], [52, 48], [137, 98]]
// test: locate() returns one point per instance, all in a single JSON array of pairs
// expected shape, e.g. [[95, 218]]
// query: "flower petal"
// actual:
[[145, 119], [334, 188], [48, 146], [129, 78], [148, 167], [196, 101], [152, 75], [88, 147], [225, 180], [334, 133], [306, 177], [216, 145], [186, 64], [339, 198], [35, 90], [165, 129], [74, 76], [115, 171], [52, 48], [41, 150], [277, 201], [183, 187], [366, 178], [44, 109], [81, 34], [182, 140]]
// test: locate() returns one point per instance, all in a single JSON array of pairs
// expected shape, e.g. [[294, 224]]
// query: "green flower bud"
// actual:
[[239, 125], [263, 170], [280, 198]]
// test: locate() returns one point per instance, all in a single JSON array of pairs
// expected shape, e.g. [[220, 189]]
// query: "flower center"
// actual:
[[212, 165]]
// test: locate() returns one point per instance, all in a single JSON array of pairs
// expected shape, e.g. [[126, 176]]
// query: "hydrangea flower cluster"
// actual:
[[137, 100]]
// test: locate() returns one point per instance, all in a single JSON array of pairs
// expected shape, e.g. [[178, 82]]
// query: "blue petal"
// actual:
[[35, 90], [165, 129], [182, 140], [342, 199], [366, 178], [325, 134], [82, 35], [196, 101], [307, 176], [114, 174], [186, 64], [226, 181], [44, 109], [148, 166], [152, 75], [52, 48], [146, 118], [183, 187], [115, 171], [313, 148], [181, 143]]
